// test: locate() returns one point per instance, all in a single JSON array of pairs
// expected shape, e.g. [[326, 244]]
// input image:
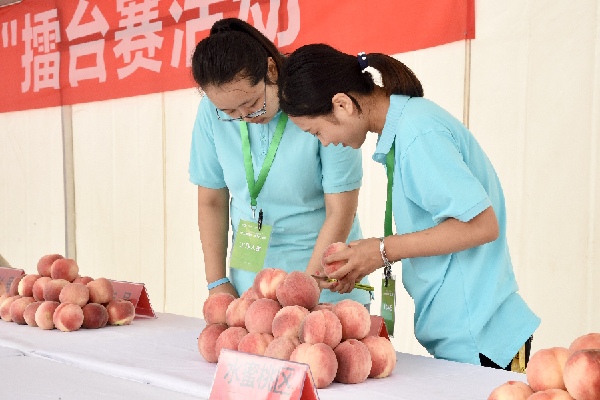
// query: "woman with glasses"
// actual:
[[286, 196]]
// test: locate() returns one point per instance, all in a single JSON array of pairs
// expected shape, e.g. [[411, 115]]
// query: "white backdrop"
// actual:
[[533, 103]]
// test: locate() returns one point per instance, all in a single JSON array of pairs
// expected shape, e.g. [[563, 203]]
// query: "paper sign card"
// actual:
[[243, 376], [7, 276], [378, 327], [137, 294]]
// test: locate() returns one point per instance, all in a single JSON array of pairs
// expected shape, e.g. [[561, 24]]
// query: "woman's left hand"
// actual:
[[362, 256]]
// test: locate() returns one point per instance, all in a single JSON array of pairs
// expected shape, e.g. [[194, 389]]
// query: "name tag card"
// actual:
[[378, 327], [137, 294], [7, 276], [243, 376]]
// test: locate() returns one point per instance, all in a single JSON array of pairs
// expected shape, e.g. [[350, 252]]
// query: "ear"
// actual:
[[272, 73], [343, 105]]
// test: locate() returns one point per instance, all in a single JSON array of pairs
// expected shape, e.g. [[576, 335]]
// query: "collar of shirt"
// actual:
[[390, 128]]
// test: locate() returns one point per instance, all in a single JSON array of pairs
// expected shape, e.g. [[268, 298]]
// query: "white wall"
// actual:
[[534, 106]]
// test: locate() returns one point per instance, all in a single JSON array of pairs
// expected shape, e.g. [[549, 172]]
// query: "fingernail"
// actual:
[[318, 273]]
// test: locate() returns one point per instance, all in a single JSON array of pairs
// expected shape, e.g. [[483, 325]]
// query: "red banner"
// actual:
[[65, 52]]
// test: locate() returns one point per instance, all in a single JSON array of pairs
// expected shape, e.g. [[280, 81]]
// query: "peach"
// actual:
[[94, 316], [29, 313], [287, 321], [321, 359], [260, 315], [354, 361], [551, 394], [208, 340], [45, 263], [266, 282], [250, 294], [582, 374], [355, 319], [5, 307], [545, 369], [321, 327], [298, 289], [229, 339], [329, 250], [323, 306], [282, 347], [52, 289], [383, 356], [17, 309], [236, 312], [25, 287], [588, 341], [64, 268], [68, 317], [83, 279], [3, 296], [38, 287], [14, 286], [511, 390], [255, 343], [101, 291], [76, 293], [215, 308], [44, 314], [120, 312]]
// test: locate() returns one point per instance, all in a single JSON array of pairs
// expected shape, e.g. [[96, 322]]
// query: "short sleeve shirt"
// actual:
[[466, 303], [292, 197]]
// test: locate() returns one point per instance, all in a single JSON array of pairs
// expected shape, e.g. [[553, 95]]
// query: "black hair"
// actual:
[[233, 47], [314, 73]]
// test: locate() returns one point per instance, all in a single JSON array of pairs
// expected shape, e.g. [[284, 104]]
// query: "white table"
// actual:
[[159, 359]]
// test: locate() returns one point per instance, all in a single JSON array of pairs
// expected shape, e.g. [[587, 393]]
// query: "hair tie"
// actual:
[[362, 60]]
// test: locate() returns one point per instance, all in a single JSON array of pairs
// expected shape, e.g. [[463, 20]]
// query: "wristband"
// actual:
[[218, 282]]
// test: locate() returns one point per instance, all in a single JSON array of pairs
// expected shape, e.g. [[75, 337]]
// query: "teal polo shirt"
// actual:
[[292, 197], [466, 303]]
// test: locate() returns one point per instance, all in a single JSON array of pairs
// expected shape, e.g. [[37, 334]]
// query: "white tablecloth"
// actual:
[[159, 359]]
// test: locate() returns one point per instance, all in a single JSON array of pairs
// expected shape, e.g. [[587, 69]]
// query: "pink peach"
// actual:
[[551, 394], [14, 286], [64, 268], [45, 263], [101, 291], [29, 313], [26, 283], [208, 340], [287, 321], [323, 306], [94, 316], [38, 288], [250, 294], [383, 356], [68, 317], [235, 314], [5, 307], [582, 374], [298, 289], [266, 282], [77, 293], [329, 250], [229, 339], [282, 347], [255, 343], [545, 369], [585, 342], [511, 390], [260, 315], [321, 359], [215, 308], [83, 279], [45, 313], [52, 289], [321, 327], [354, 360], [355, 319], [17, 309], [120, 312]]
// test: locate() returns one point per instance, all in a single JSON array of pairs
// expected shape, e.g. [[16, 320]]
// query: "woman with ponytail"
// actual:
[[446, 200], [285, 195]]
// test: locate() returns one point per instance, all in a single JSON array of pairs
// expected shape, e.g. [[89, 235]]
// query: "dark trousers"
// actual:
[[486, 362]]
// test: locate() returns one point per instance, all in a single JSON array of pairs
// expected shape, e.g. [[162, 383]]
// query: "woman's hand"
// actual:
[[224, 288], [362, 257]]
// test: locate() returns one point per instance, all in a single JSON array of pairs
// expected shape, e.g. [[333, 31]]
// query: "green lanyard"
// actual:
[[255, 187], [389, 166]]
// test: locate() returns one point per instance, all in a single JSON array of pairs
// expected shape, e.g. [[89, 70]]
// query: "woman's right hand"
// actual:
[[224, 288]]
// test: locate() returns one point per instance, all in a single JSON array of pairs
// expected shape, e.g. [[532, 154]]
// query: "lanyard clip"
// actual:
[[253, 208]]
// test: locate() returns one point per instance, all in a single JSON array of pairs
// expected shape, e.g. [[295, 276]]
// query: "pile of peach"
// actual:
[[279, 317], [58, 297], [559, 373]]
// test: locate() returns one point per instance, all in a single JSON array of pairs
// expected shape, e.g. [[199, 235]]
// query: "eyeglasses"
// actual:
[[254, 114]]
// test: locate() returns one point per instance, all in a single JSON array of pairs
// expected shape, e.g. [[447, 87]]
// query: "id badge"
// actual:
[[250, 247], [388, 302]]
